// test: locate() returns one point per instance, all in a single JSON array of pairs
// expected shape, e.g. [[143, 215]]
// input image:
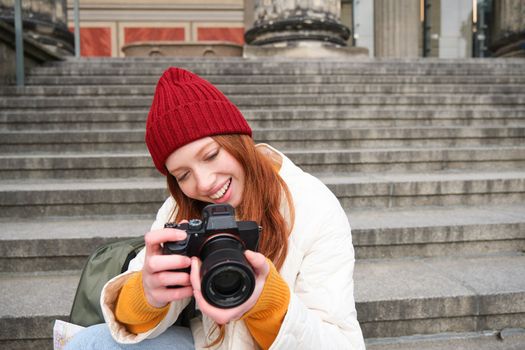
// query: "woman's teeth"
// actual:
[[222, 191]]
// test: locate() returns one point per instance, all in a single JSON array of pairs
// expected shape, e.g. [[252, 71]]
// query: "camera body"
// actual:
[[218, 219], [227, 279]]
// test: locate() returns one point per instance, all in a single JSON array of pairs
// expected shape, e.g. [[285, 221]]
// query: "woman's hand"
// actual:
[[222, 316], [156, 274]]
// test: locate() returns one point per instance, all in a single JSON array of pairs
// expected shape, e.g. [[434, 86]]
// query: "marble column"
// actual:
[[298, 28], [278, 21], [43, 20], [508, 32], [397, 27]]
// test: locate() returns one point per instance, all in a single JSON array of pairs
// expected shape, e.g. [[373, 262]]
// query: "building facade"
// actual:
[[386, 28], [107, 26]]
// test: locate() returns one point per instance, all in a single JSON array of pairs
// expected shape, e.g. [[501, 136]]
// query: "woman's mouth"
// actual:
[[220, 193]]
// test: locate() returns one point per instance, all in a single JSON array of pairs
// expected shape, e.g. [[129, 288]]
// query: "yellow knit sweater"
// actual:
[[263, 320]]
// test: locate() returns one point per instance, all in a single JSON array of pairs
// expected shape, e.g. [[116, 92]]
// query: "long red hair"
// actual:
[[264, 190]]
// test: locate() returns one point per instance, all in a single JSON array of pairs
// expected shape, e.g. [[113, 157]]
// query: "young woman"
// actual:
[[303, 296]]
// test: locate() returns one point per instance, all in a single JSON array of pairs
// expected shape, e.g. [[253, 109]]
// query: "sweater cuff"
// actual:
[[274, 298], [133, 308]]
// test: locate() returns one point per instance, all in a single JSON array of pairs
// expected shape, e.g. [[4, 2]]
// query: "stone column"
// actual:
[[508, 34], [397, 27], [309, 26], [248, 14], [44, 21]]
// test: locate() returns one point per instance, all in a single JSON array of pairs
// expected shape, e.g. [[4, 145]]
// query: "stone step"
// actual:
[[397, 297], [151, 80], [505, 339], [139, 196], [283, 67], [400, 190], [315, 139], [285, 139], [250, 88], [28, 103], [69, 197], [438, 231], [30, 304], [60, 243], [394, 297], [315, 117], [124, 165], [141, 62]]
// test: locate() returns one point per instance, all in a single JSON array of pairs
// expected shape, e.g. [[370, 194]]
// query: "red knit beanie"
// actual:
[[186, 108]]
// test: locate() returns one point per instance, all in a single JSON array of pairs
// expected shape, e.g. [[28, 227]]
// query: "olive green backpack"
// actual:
[[105, 263]]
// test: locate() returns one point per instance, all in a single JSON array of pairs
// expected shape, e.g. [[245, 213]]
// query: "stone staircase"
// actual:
[[426, 156]]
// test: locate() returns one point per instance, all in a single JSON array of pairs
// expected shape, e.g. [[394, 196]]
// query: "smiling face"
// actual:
[[207, 172]]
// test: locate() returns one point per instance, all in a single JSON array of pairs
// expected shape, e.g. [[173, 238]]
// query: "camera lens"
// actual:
[[227, 278], [227, 282]]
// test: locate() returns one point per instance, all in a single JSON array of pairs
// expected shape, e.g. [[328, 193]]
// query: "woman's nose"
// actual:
[[205, 181]]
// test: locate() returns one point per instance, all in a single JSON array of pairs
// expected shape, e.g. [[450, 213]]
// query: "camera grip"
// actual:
[[177, 247]]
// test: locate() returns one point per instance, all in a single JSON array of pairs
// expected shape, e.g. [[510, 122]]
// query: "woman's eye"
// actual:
[[212, 155], [181, 177]]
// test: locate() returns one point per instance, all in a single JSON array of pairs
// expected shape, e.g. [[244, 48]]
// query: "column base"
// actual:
[[511, 46], [304, 49]]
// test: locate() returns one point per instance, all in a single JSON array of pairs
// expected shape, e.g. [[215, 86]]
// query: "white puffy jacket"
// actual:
[[318, 269]]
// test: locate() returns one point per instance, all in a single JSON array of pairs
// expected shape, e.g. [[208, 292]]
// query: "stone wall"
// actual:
[[34, 54]]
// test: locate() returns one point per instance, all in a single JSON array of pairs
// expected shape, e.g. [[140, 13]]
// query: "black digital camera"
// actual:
[[219, 241]]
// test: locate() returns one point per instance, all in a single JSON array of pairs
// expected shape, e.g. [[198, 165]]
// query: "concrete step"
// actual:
[[76, 197], [30, 304], [394, 297], [315, 139], [296, 117], [288, 67], [399, 297], [129, 62], [269, 61], [505, 339], [150, 80], [62, 243], [48, 244], [438, 231], [449, 188], [76, 165], [269, 89], [70, 197], [27, 103], [285, 139], [124, 165]]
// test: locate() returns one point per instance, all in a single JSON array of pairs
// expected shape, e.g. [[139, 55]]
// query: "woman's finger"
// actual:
[[167, 295], [153, 239], [158, 263], [167, 279], [164, 235], [195, 274], [195, 280], [258, 262]]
